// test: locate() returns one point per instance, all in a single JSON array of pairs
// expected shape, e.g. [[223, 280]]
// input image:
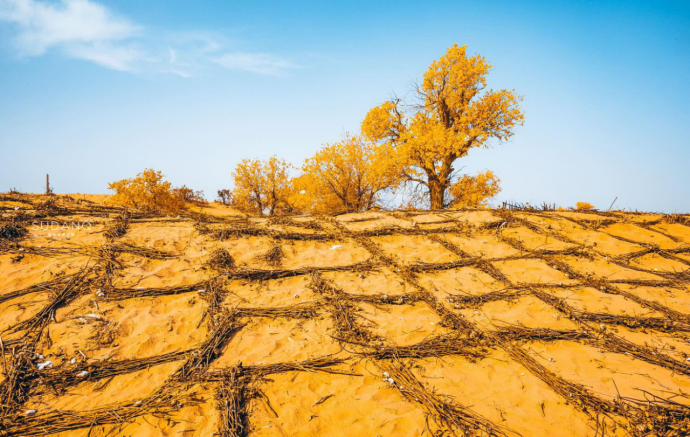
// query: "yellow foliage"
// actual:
[[345, 176], [584, 206], [475, 191], [262, 186], [454, 115], [147, 192]]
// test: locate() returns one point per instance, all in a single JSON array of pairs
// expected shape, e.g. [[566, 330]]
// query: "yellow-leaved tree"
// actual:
[[263, 187], [474, 191], [454, 113], [148, 191], [345, 176]]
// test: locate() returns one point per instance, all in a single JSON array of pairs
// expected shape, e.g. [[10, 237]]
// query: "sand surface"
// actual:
[[380, 323]]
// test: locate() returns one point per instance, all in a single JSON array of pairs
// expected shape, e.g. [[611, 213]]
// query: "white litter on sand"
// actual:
[[46, 365]]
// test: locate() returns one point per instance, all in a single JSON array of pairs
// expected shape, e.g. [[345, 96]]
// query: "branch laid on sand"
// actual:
[[448, 415]]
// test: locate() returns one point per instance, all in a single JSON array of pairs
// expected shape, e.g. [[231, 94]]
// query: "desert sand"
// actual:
[[463, 322]]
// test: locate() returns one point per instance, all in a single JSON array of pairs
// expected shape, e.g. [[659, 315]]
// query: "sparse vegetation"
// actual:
[[584, 206], [189, 195], [262, 187], [148, 192], [12, 228], [345, 176], [224, 197]]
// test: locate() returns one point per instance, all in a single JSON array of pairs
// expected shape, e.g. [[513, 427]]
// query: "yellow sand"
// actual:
[[608, 374], [307, 402], [504, 392], [527, 312], [410, 249], [270, 341], [140, 327]]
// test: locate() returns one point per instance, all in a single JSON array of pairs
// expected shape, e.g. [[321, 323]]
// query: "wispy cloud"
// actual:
[[79, 28], [255, 62], [115, 57], [86, 30]]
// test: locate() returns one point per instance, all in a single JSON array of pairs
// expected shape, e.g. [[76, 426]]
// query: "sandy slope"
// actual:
[[492, 312]]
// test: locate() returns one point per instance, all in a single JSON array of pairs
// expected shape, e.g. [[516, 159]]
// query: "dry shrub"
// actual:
[[676, 218], [225, 197], [273, 257], [12, 228], [475, 191], [189, 195], [221, 260], [147, 192], [584, 206], [51, 206]]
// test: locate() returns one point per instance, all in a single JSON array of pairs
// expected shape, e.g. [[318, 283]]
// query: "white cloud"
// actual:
[[86, 30], [182, 74], [115, 57], [79, 28], [45, 25], [261, 63]]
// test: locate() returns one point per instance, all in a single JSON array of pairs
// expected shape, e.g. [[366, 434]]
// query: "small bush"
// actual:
[[475, 191], [188, 195], [12, 229], [584, 206], [147, 192], [225, 197]]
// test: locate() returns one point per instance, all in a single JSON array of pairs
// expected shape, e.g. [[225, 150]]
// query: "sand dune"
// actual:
[[384, 323]]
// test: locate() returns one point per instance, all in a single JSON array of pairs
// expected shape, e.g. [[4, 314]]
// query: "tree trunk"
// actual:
[[436, 192]]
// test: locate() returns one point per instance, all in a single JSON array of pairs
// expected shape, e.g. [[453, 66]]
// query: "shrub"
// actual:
[[475, 191], [345, 176], [225, 197], [584, 206], [262, 186], [147, 192], [188, 195], [12, 228]]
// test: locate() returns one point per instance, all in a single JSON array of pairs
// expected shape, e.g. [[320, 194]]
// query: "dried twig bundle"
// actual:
[[221, 261], [13, 228], [273, 257], [118, 228]]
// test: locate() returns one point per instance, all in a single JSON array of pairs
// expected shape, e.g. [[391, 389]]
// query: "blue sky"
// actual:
[[95, 91]]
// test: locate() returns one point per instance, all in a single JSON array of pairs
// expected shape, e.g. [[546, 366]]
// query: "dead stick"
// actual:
[[614, 201]]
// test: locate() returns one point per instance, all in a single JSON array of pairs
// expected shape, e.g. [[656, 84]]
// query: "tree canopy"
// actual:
[[345, 176], [452, 113], [262, 186]]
